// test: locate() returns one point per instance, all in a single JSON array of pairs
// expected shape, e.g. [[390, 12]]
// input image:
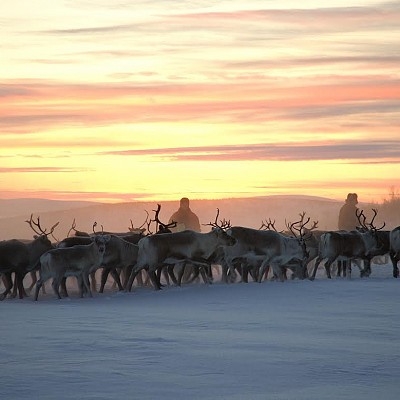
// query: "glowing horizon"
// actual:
[[153, 101]]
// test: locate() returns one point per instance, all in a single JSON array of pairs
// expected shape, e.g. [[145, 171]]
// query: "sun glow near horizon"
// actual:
[[205, 100]]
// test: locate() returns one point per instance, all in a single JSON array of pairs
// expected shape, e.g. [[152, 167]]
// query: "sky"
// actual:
[[114, 101]]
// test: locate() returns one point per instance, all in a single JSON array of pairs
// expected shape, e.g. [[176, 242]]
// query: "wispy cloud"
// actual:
[[39, 106], [378, 150], [8, 170], [93, 30]]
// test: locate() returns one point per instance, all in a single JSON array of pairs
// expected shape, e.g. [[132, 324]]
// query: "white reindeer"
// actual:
[[78, 261]]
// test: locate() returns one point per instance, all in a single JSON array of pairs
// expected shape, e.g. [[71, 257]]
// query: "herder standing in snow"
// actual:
[[185, 217]]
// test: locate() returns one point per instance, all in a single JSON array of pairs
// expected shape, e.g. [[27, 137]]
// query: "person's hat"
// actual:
[[352, 197], [184, 201]]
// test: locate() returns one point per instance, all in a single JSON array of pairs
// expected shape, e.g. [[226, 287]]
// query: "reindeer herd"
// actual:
[[146, 258]]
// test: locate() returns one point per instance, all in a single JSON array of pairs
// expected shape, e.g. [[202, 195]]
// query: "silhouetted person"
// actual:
[[185, 217], [348, 221]]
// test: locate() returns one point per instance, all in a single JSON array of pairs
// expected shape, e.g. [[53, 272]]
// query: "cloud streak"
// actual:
[[380, 151], [46, 170], [35, 105]]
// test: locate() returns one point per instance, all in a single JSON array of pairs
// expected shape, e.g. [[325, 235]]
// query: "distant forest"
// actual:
[[389, 209]]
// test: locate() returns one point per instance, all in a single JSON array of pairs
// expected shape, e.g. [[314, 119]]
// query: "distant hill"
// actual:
[[250, 212], [116, 217], [16, 207]]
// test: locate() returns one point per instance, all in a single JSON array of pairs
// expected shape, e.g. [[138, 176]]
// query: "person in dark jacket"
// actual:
[[185, 217], [347, 215], [348, 221]]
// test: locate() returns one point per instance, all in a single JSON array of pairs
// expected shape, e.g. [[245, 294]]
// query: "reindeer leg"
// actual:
[[86, 284], [254, 273], [115, 275], [339, 268], [170, 271], [245, 272], [277, 270], [33, 279], [224, 272], [181, 270], [141, 278], [63, 284], [125, 274], [164, 273], [93, 282], [159, 272], [316, 265], [345, 268], [208, 271], [19, 282], [39, 285], [205, 274], [154, 280], [263, 269], [195, 272], [366, 271], [7, 281], [55, 284], [394, 260], [132, 277], [14, 287], [104, 276], [328, 268]]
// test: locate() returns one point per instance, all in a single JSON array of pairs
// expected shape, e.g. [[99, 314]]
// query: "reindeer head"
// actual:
[[101, 240], [220, 230], [140, 230], [370, 228], [301, 232]]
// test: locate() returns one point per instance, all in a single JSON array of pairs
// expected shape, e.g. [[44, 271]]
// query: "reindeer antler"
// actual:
[[52, 230], [34, 224], [40, 231], [368, 226], [360, 215], [160, 226], [94, 226], [268, 225], [140, 229], [371, 224], [225, 224], [300, 226], [73, 227]]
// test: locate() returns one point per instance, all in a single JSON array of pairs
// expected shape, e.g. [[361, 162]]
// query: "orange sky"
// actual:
[[113, 101]]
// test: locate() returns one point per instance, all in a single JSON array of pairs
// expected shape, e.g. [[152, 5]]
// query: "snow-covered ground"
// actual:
[[327, 339]]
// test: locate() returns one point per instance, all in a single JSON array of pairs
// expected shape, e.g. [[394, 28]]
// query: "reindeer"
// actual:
[[157, 250], [78, 261], [395, 249], [258, 250], [112, 263], [20, 257], [382, 239], [160, 228], [190, 271], [342, 245]]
